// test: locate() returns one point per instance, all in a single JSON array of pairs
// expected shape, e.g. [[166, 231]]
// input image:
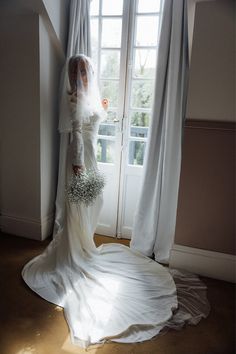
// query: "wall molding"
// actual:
[[26, 227], [210, 124], [203, 262]]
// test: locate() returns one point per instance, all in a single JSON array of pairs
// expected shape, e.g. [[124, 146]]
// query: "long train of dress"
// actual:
[[109, 292]]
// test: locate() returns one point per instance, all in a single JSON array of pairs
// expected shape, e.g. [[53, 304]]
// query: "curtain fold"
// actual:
[[79, 28], [79, 42], [155, 216]]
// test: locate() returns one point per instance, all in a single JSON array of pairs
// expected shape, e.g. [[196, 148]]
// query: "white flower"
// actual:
[[85, 187]]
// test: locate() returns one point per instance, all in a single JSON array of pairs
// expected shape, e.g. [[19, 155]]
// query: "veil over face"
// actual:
[[78, 89]]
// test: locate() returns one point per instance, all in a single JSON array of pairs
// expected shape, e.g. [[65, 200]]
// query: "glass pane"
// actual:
[[110, 63], [140, 132], [145, 63], [136, 152], [149, 5], [109, 90], [110, 7], [107, 129], [142, 93], [111, 115], [94, 40], [147, 30], [140, 119], [111, 32], [105, 151], [94, 8]]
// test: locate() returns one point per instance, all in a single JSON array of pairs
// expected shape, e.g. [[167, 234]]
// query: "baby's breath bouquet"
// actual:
[[85, 187]]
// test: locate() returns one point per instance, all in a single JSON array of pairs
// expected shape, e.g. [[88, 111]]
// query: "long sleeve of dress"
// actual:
[[77, 144], [77, 138]]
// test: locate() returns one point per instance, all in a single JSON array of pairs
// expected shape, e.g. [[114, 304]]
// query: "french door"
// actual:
[[124, 45]]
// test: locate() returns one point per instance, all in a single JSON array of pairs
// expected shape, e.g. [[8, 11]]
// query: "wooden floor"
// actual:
[[30, 324]]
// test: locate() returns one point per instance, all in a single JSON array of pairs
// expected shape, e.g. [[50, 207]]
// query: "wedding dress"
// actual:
[[108, 292]]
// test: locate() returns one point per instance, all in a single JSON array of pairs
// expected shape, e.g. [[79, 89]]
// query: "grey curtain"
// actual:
[[155, 217], [78, 42], [79, 28]]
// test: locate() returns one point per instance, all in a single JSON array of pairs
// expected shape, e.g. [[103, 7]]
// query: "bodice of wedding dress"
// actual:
[[82, 128]]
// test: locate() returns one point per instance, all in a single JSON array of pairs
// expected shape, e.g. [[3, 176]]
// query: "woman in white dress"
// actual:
[[109, 292]]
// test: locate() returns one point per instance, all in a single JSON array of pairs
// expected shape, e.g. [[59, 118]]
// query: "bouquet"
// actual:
[[85, 187]]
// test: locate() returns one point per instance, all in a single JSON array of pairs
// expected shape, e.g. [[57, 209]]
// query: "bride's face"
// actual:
[[78, 73], [82, 69]]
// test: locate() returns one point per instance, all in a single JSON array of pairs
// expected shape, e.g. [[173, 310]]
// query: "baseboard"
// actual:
[[126, 232], [26, 227], [103, 229], [206, 263]]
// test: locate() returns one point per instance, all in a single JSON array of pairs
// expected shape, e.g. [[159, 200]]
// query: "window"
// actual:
[[131, 84], [124, 49]]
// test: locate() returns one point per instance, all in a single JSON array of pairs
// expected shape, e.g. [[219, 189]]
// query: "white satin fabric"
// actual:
[[108, 293]]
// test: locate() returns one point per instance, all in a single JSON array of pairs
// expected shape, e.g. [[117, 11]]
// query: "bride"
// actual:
[[109, 292]]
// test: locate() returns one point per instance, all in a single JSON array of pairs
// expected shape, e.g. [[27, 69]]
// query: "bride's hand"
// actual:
[[76, 96], [105, 104], [78, 169], [73, 97]]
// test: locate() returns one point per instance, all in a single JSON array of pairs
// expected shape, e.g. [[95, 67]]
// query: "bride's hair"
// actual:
[[80, 69]]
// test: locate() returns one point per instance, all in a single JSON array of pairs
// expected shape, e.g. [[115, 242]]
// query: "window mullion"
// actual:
[[129, 62], [124, 57], [122, 108]]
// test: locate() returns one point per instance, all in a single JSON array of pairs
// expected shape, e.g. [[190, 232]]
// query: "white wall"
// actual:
[[212, 73], [19, 114], [205, 225], [50, 68], [31, 60], [58, 16]]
